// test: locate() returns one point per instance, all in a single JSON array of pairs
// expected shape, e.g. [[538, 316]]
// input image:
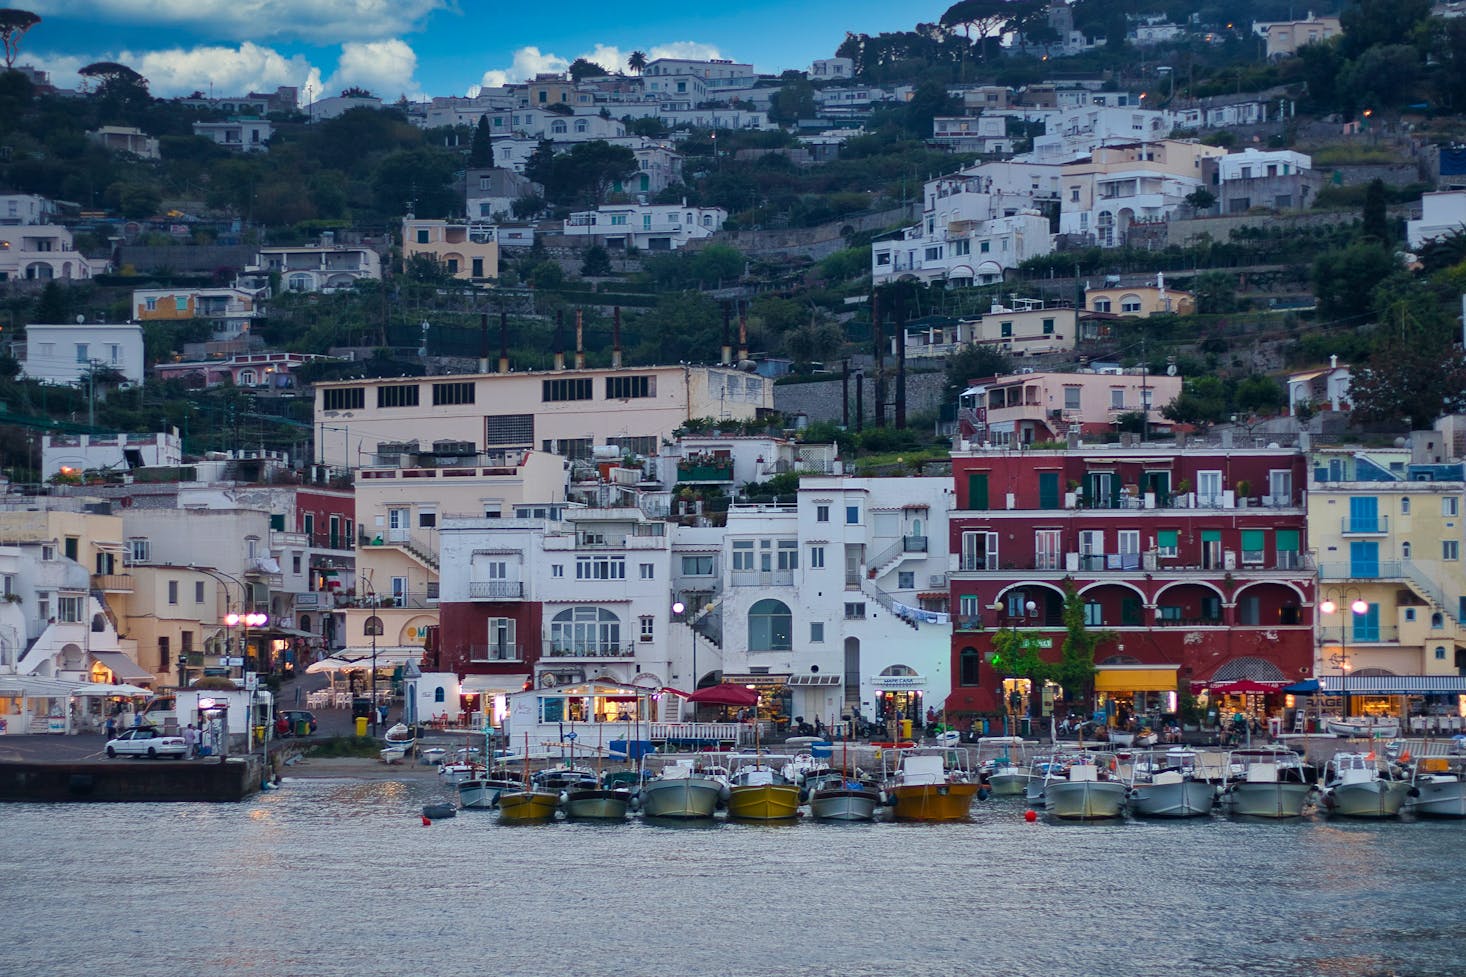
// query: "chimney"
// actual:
[[742, 336], [579, 340], [503, 341], [616, 339], [483, 342], [727, 359], [560, 340]]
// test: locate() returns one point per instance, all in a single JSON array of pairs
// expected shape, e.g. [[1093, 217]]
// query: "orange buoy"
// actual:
[[1030, 816], [426, 821]]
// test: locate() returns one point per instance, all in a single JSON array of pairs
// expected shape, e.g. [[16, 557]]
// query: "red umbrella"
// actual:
[[726, 694], [1245, 686]]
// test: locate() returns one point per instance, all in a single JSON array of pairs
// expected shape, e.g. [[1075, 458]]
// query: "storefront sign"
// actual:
[[894, 682]]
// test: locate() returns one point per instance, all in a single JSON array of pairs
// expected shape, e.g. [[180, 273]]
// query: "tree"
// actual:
[[973, 362], [1202, 402], [1216, 292], [1375, 23], [481, 152], [814, 342], [1201, 199], [54, 305], [582, 68], [1260, 394], [13, 25], [1376, 222], [1016, 653], [356, 91], [113, 78], [637, 62], [596, 262], [1415, 381], [1343, 280], [985, 18], [794, 101], [1075, 671], [927, 102]]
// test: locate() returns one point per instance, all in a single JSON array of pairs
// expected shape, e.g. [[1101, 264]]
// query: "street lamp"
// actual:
[[245, 621], [1340, 659], [373, 628], [182, 670]]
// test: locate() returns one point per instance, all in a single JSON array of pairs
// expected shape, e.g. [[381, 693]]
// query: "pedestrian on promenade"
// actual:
[[191, 741], [382, 711], [111, 727]]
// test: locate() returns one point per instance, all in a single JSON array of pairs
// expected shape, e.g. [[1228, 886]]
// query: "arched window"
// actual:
[[586, 631], [969, 665], [373, 626], [439, 695], [1437, 621], [1405, 549], [299, 283], [770, 626], [581, 126], [558, 128]]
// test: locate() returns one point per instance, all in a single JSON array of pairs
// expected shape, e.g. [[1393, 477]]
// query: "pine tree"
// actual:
[[481, 153]]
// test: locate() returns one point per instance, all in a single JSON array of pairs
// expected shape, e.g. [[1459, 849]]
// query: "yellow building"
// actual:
[[1389, 541], [1141, 301], [468, 252]]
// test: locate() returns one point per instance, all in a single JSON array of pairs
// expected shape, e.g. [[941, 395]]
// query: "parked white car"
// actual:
[[146, 741]]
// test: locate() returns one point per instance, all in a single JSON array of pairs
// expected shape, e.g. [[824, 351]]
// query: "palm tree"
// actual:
[[637, 61]]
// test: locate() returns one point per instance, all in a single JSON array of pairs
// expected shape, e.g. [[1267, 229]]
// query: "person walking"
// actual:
[[190, 741], [111, 727]]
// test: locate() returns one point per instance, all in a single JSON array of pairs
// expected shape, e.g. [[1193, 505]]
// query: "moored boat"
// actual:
[[597, 803], [401, 737], [1267, 784], [1084, 789], [834, 797], [1356, 786], [924, 789], [482, 791], [1438, 787], [681, 791], [759, 791], [434, 812], [1367, 727], [1002, 764], [1167, 784], [524, 805]]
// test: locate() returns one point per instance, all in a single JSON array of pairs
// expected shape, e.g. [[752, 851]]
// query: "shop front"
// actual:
[[1144, 693], [775, 699], [900, 697]]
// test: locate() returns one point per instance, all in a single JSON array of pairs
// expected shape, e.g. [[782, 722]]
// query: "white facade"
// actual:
[[26, 208], [68, 353], [972, 250], [1073, 133], [315, 269], [240, 135], [831, 68], [82, 452], [1442, 213], [716, 70], [977, 134], [1250, 164], [42, 252], [650, 227]]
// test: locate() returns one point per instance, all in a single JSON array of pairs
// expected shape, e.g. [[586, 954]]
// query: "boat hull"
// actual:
[[1008, 783], [1374, 799], [527, 806], [483, 792], [1086, 800], [1268, 800], [1438, 799], [1187, 799], [844, 804], [1347, 730], [764, 802], [932, 802], [682, 797], [597, 804]]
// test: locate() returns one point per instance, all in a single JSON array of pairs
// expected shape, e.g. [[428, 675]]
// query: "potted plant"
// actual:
[[1244, 491]]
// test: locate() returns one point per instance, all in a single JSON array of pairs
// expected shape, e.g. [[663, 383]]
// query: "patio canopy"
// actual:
[[97, 688], [334, 664], [725, 694]]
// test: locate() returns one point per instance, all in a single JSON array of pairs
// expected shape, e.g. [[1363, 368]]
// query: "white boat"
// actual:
[[483, 791], [1438, 787], [1267, 784], [1355, 785], [834, 797], [457, 771], [401, 737], [682, 791], [392, 754], [1167, 784], [1003, 764], [803, 767], [1085, 790], [1378, 727], [431, 756]]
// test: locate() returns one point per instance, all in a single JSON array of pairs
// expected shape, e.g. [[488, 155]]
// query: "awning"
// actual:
[[1393, 684], [125, 691], [493, 683], [387, 655], [35, 687], [1135, 678], [124, 669], [814, 680]]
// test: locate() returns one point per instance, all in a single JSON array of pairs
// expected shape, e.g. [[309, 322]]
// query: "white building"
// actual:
[[329, 108], [1442, 213], [972, 134], [1119, 186], [86, 452], [68, 353], [239, 135], [126, 139], [717, 71], [490, 192], [650, 227], [828, 69], [42, 252], [26, 208], [313, 268]]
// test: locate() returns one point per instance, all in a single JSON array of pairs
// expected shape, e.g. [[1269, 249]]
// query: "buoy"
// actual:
[[426, 821], [1030, 815]]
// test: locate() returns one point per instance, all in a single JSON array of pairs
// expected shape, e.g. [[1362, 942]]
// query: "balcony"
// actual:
[[1189, 622], [1365, 526], [766, 578], [913, 544], [705, 471], [497, 652], [968, 623], [112, 583], [495, 589], [554, 649], [1357, 634]]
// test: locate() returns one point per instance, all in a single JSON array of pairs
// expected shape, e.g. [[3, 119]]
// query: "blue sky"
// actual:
[[428, 47]]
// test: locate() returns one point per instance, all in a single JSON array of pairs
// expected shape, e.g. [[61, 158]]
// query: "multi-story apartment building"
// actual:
[[1278, 179], [1123, 185], [1388, 535], [1140, 300], [466, 250], [1194, 562], [649, 227], [320, 268], [230, 311], [1285, 37], [71, 353], [1022, 408], [42, 252]]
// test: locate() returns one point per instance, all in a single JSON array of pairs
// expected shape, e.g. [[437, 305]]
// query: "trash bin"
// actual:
[[361, 725], [906, 729], [302, 727], [260, 734]]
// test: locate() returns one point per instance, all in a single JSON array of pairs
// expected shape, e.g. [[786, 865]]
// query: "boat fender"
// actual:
[[724, 793], [885, 798], [564, 796], [1414, 792], [982, 793], [803, 794]]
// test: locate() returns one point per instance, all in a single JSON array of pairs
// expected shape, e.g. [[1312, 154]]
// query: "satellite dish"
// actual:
[[80, 319], [1171, 370]]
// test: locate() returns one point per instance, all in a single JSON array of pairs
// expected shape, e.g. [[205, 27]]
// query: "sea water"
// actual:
[[338, 877]]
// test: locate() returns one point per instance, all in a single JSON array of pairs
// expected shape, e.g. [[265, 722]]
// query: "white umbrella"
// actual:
[[332, 665], [97, 688]]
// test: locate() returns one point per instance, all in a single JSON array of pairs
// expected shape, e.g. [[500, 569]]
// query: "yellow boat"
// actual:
[[524, 806], [759, 792], [924, 791]]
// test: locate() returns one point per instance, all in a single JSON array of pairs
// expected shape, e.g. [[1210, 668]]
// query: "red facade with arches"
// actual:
[[1191, 558]]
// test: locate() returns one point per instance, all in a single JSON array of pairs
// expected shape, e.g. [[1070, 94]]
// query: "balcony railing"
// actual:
[[765, 578], [495, 589], [112, 583], [1188, 622], [913, 544], [968, 623], [554, 649], [1357, 635], [1364, 526], [498, 652]]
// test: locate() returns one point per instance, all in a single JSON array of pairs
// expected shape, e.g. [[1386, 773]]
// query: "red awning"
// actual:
[[1245, 686], [726, 694]]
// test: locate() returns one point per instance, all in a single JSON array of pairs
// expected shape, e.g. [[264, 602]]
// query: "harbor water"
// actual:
[[338, 878]]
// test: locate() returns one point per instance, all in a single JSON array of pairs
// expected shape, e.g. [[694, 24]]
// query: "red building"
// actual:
[[1194, 559]]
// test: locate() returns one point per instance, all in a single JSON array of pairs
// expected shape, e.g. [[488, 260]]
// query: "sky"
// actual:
[[423, 48]]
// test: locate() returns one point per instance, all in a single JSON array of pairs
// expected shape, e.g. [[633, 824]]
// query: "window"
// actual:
[[71, 547], [1254, 544], [173, 591], [1102, 305], [1405, 550], [1450, 549], [447, 394], [855, 610], [697, 566], [1048, 326], [500, 645], [1117, 397], [398, 395], [1071, 398], [1130, 304], [557, 569], [628, 388], [1409, 614], [1440, 653], [138, 551], [1094, 614], [648, 571], [852, 515], [571, 389], [648, 628], [821, 513], [969, 667], [788, 554], [1006, 329], [81, 352], [979, 550], [586, 631], [906, 580], [1165, 542], [343, 398], [509, 429], [743, 554], [770, 626], [816, 557], [1405, 505], [198, 591], [68, 610], [424, 236], [600, 568], [1209, 488], [1450, 505]]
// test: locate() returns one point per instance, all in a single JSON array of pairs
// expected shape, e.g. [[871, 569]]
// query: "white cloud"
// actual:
[[384, 68], [529, 61], [322, 21]]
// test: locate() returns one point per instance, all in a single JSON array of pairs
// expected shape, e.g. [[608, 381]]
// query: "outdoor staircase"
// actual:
[[889, 603], [418, 553]]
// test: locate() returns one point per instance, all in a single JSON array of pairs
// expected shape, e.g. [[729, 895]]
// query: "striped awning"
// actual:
[[1393, 684]]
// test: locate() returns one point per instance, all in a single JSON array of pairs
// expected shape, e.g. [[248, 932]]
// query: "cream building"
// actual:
[[467, 251], [1141, 301], [1027, 407], [1123, 185]]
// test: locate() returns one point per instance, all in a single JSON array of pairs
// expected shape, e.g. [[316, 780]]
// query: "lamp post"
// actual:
[[182, 670], [373, 626], [1358, 606]]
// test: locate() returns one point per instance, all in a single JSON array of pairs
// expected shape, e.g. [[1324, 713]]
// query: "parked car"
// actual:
[[294, 717], [146, 741]]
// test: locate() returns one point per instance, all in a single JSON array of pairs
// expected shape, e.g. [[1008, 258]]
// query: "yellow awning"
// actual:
[[1135, 679]]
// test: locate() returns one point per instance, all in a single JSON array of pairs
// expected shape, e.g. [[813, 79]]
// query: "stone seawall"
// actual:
[[130, 780]]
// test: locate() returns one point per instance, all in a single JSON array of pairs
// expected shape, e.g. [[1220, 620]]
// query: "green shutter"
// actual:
[[1048, 490], [1211, 535], [1287, 540], [277, 521], [1166, 538], [977, 490], [1252, 539]]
